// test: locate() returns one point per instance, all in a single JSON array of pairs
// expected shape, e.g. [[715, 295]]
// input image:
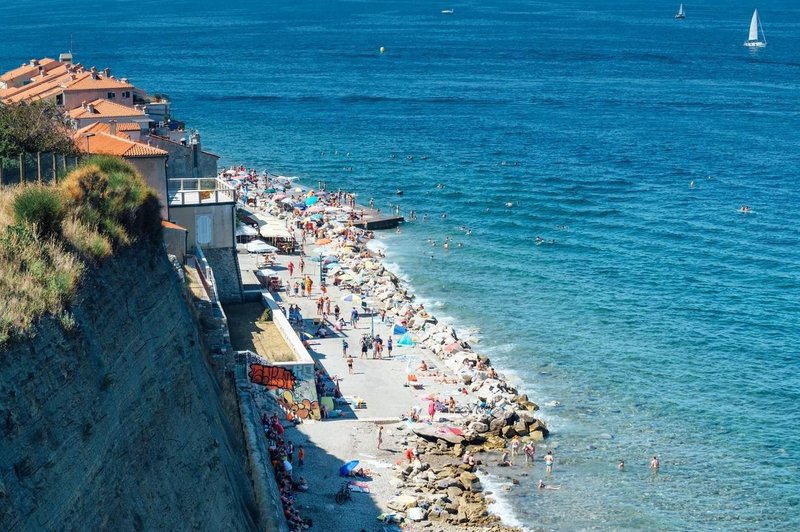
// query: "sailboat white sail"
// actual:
[[752, 39], [680, 14]]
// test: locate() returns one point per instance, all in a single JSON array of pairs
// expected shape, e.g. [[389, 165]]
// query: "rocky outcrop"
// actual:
[[119, 424]]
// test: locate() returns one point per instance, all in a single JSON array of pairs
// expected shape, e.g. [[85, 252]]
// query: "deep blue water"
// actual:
[[663, 320]]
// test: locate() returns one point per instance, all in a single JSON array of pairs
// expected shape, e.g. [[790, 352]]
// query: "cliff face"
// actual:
[[119, 424]]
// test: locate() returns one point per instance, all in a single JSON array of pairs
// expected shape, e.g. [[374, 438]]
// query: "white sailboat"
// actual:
[[752, 40], [680, 14]]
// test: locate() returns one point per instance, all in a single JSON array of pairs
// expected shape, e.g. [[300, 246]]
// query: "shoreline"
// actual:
[[424, 489]]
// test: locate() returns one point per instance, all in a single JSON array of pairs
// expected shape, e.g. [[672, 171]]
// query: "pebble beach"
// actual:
[[418, 476]]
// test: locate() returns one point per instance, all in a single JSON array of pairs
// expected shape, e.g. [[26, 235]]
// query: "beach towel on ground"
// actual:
[[359, 487]]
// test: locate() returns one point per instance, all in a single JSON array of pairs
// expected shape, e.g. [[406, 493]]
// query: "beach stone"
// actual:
[[497, 425], [415, 514], [536, 435], [521, 428], [508, 431], [479, 427], [402, 502], [454, 492], [432, 434], [525, 416], [538, 425]]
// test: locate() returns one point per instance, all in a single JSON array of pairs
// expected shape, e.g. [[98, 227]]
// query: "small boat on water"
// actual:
[[752, 39], [447, 11], [680, 15]]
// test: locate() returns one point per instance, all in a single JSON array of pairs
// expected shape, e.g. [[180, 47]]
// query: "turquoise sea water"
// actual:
[[662, 320]]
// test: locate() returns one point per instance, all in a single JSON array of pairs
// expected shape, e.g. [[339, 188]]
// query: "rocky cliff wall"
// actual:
[[119, 423]]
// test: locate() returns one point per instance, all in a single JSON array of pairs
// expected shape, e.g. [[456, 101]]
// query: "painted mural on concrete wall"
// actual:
[[293, 388]]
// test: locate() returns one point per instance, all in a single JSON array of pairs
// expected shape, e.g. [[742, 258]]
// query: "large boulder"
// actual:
[[508, 431], [497, 425], [520, 428], [415, 514], [401, 503], [433, 434], [479, 427]]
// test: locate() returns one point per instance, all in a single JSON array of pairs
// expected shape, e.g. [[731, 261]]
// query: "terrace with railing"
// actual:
[[198, 191]]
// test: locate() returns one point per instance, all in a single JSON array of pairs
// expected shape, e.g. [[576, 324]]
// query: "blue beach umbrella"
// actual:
[[311, 200], [299, 205], [347, 468], [399, 329]]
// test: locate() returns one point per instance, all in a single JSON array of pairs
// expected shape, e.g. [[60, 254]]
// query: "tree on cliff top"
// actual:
[[33, 127]]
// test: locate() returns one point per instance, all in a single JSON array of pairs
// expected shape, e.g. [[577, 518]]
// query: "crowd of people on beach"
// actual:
[[282, 454], [373, 346]]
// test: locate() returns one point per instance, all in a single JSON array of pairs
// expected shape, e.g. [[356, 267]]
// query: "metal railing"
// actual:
[[198, 190]]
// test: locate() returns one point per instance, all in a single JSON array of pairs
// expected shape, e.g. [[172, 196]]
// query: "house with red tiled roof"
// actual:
[[23, 75], [150, 161], [101, 110], [70, 85]]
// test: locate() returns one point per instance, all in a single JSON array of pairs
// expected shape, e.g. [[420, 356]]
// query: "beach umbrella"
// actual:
[[348, 468], [259, 246], [352, 298], [331, 209], [298, 189], [346, 277], [278, 197], [399, 329], [299, 205], [316, 217], [312, 200], [270, 190], [330, 259], [287, 201], [316, 209]]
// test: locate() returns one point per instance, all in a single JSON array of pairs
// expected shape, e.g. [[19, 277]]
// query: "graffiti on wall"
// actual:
[[272, 376], [292, 393]]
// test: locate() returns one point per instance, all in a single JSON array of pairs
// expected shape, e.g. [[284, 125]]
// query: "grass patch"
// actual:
[[50, 233]]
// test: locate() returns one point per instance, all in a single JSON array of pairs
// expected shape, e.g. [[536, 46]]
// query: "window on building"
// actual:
[[126, 94], [111, 95], [203, 229], [59, 99]]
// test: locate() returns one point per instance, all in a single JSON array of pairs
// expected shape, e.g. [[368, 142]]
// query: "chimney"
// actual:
[[94, 73], [90, 108], [34, 62], [107, 72], [112, 127], [41, 70], [83, 104], [124, 80]]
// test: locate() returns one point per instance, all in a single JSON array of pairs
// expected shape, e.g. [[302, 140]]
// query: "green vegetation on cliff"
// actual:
[[50, 234]]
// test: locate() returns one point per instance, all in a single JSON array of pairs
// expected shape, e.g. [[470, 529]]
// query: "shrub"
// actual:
[[86, 239], [42, 207], [86, 187]]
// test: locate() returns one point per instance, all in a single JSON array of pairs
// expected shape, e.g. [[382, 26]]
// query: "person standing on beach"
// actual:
[[380, 436], [296, 289], [548, 462], [328, 306], [301, 456], [350, 365], [353, 318], [364, 347], [336, 311], [389, 344], [309, 284], [431, 410], [302, 265], [515, 445], [530, 452], [290, 267], [344, 347]]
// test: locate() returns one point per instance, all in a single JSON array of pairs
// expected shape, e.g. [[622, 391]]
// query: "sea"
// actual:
[[651, 317]]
